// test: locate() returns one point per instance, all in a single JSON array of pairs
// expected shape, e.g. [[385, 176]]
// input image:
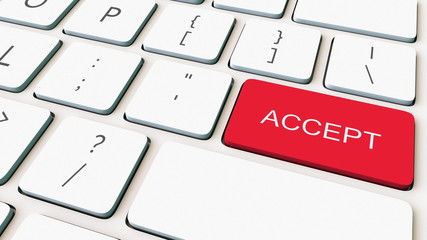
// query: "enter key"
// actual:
[[355, 139]]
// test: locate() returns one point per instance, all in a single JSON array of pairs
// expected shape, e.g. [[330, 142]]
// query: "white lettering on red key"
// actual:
[[338, 135], [314, 127]]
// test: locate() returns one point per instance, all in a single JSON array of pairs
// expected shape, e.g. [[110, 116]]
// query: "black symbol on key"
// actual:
[[99, 143], [194, 20], [4, 55], [94, 64], [182, 40], [274, 55], [189, 32], [84, 79], [78, 87], [102, 137], [366, 66], [188, 75], [69, 179], [279, 38], [5, 118], [112, 12], [27, 4]]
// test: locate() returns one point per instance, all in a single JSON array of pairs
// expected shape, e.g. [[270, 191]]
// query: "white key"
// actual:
[[371, 68], [89, 77], [191, 33], [85, 166], [113, 21], [6, 215], [22, 55], [362, 16], [41, 14], [41, 227], [266, 8], [236, 199], [21, 125], [180, 98], [277, 50]]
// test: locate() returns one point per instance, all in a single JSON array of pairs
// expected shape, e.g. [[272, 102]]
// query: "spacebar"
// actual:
[[191, 193], [343, 136]]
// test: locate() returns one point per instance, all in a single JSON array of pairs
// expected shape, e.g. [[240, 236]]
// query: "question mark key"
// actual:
[[85, 166]]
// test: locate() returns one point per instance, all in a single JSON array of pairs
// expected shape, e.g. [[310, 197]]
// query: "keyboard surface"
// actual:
[[84, 145]]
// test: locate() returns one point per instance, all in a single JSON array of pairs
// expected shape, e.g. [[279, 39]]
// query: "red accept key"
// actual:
[[347, 137]]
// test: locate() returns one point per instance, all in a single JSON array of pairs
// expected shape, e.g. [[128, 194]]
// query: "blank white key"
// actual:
[[190, 193], [191, 33], [42, 14], [113, 21], [266, 8], [21, 125], [6, 215], [22, 55], [371, 68], [85, 166], [394, 19], [41, 227], [277, 50], [180, 98], [89, 77]]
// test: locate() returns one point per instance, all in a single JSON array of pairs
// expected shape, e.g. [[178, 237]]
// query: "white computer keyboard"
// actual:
[[137, 119]]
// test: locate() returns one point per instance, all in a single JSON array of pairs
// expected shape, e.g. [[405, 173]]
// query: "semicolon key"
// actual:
[[94, 78]]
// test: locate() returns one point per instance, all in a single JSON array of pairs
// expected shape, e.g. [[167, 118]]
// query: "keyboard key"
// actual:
[[116, 22], [184, 99], [372, 69], [6, 215], [191, 33], [39, 14], [266, 8], [46, 228], [21, 125], [86, 166], [355, 139], [190, 193], [22, 55], [89, 77], [393, 19], [277, 50]]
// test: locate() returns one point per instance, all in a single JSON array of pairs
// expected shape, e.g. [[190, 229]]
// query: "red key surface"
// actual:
[[347, 137]]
